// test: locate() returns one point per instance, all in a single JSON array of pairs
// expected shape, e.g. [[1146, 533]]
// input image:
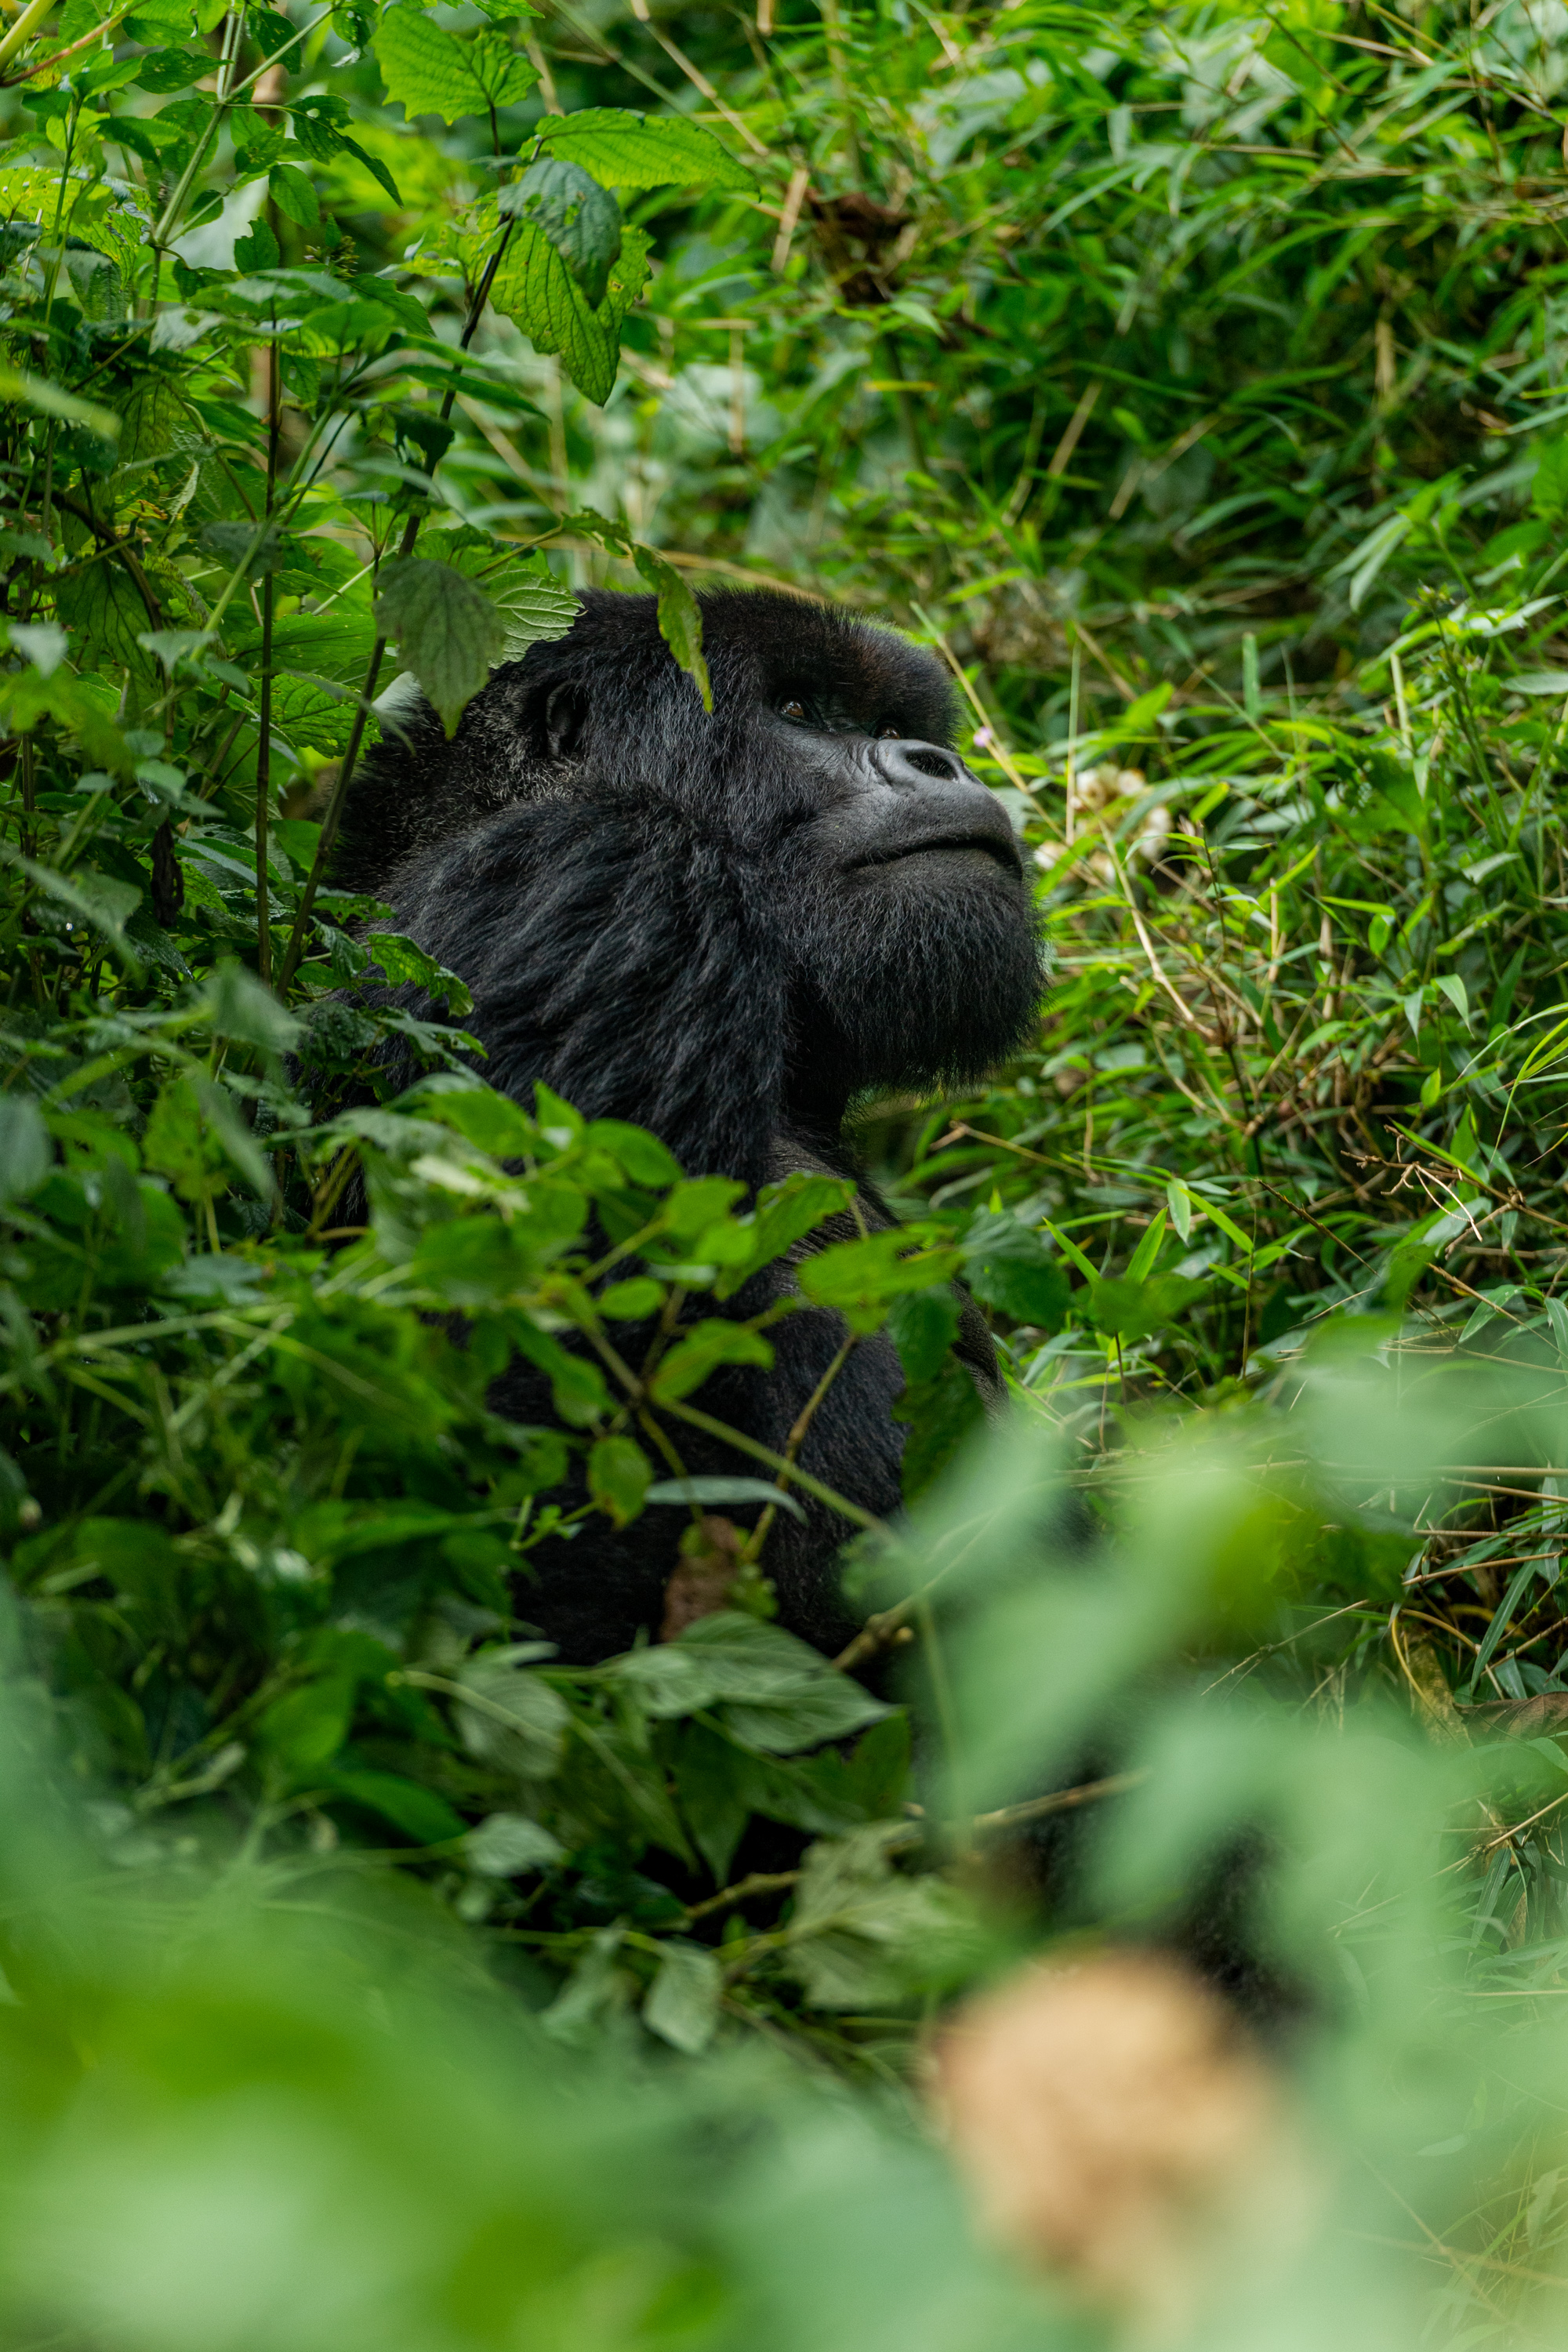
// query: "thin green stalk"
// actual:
[[264, 738], [332, 818]]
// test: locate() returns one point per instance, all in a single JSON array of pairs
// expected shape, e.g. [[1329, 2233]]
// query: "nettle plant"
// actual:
[[222, 491]]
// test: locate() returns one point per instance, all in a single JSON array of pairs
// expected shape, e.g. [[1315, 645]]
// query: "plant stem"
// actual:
[[334, 811], [264, 740], [753, 1548]]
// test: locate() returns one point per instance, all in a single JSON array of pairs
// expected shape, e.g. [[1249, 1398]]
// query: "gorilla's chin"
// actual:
[[928, 972]]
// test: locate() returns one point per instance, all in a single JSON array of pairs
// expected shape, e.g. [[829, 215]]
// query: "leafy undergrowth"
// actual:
[[1192, 382]]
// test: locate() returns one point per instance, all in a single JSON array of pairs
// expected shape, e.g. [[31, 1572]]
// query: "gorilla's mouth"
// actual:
[[1003, 854]]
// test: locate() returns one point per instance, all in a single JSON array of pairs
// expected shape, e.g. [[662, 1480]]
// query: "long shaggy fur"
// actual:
[[644, 901]]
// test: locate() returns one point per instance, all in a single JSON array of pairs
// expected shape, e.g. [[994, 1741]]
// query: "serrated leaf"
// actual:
[[623, 150], [679, 618], [536, 607], [861, 1933], [534, 286], [448, 630], [428, 71], [582, 220], [682, 2005], [238, 543]]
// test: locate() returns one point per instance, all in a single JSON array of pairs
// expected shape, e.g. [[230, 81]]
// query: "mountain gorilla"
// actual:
[[725, 928]]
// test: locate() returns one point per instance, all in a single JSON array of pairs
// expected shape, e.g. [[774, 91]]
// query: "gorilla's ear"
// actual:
[[565, 720]]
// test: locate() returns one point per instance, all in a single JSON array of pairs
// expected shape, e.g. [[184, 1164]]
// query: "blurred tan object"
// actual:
[[1094, 796], [1115, 2125]]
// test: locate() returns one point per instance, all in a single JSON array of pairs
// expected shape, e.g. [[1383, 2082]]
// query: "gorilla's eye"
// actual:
[[792, 706], [896, 734]]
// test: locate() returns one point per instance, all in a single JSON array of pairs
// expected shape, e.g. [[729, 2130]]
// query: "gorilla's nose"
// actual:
[[909, 765]]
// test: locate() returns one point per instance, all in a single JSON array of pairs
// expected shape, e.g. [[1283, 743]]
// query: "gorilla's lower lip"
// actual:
[[1001, 854]]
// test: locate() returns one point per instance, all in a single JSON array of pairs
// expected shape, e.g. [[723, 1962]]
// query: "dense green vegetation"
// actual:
[[1194, 380]]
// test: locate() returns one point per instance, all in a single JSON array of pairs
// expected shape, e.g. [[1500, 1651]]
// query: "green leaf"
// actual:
[[680, 617], [448, 632], [536, 606], [618, 1476], [1010, 1267], [293, 194], [700, 1351], [165, 70], [623, 150], [269, 28], [534, 286], [506, 1844], [923, 1324], [428, 71], [580, 219], [698, 1493], [861, 1933], [633, 1301], [862, 1278], [98, 898], [404, 964], [241, 543], [257, 249], [27, 1155], [941, 1415], [1135, 1310], [682, 2005], [774, 1691], [410, 1807], [509, 1716]]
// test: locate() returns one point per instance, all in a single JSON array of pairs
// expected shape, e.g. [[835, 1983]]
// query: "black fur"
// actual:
[[722, 926]]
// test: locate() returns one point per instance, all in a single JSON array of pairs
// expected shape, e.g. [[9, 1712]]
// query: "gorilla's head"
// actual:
[[866, 874]]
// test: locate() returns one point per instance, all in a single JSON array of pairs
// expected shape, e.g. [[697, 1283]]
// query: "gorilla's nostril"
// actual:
[[905, 764], [931, 763]]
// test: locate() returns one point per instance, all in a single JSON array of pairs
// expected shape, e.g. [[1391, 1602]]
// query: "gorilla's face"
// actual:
[[915, 948], [903, 919]]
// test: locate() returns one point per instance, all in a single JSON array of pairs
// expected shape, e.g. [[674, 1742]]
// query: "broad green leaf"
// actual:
[[1134, 1310], [407, 1804], [534, 286], [618, 1476], [922, 1326], [448, 630], [582, 220], [702, 1352], [293, 194], [100, 899], [505, 1844], [1010, 1267], [429, 71], [682, 2005], [27, 1154], [623, 150], [536, 606], [404, 964], [862, 1933], [510, 1717]]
